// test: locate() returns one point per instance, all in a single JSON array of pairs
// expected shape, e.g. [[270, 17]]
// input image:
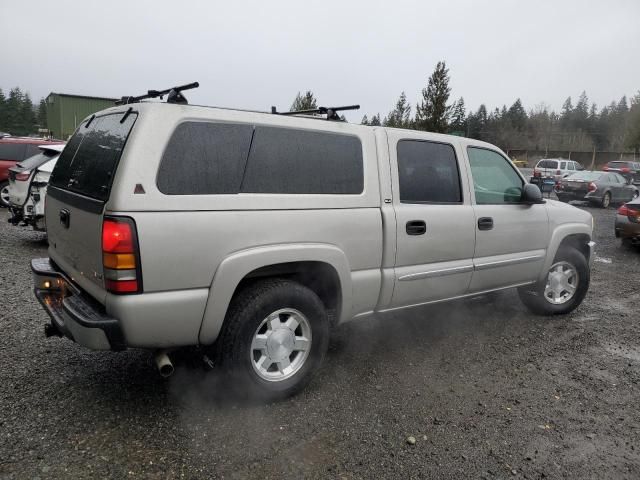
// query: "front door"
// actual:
[[511, 237], [434, 217]]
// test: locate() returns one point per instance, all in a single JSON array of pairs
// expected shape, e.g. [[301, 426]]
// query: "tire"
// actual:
[[4, 194], [534, 297], [606, 200], [262, 313]]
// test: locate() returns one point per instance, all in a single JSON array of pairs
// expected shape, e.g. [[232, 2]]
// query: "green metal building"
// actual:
[[65, 111]]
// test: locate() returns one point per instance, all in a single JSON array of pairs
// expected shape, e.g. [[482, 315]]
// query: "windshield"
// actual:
[[37, 160], [588, 176], [618, 164]]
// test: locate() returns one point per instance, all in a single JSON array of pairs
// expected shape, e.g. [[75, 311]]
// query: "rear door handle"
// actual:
[[485, 223], [416, 227]]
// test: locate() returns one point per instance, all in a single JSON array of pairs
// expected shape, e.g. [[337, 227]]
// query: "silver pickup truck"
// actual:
[[251, 235]]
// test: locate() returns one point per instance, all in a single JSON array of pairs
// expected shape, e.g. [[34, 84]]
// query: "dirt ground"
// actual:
[[486, 389]]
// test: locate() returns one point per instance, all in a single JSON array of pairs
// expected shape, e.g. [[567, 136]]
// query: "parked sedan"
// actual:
[[21, 183], [601, 188], [627, 225], [629, 170]]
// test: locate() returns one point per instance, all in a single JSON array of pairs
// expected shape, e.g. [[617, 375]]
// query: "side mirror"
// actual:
[[531, 194]]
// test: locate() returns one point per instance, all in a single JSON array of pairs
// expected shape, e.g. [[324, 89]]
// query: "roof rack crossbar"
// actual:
[[174, 95], [330, 112]]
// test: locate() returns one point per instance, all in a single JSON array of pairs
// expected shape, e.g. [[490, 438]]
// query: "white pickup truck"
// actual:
[[251, 234]]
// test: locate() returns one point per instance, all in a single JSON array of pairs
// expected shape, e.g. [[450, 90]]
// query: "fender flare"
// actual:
[[235, 267], [559, 234]]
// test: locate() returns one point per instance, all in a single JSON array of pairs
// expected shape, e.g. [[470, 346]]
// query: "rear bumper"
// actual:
[[624, 228], [74, 314]]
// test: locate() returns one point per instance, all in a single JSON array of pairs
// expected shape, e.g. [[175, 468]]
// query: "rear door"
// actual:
[[434, 217], [511, 238], [79, 187]]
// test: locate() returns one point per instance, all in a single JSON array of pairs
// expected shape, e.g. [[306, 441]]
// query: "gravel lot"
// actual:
[[486, 389]]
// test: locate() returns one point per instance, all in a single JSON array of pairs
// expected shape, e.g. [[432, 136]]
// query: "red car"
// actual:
[[12, 151]]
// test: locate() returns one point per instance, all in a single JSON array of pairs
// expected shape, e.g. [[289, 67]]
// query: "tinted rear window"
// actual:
[[619, 164], [548, 164], [12, 151], [588, 176], [212, 158], [88, 162]]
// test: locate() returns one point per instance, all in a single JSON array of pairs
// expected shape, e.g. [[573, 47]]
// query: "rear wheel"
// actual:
[[606, 200], [4, 194], [275, 337], [563, 288]]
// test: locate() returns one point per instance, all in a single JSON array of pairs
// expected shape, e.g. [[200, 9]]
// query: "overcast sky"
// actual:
[[254, 54]]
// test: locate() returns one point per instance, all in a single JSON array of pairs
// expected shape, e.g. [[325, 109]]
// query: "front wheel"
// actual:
[[606, 200], [563, 288], [275, 337]]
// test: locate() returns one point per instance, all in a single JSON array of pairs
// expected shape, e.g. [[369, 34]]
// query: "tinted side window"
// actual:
[[570, 166], [12, 151], [494, 179], [204, 158], [428, 172], [32, 150], [290, 161], [89, 161], [563, 165], [548, 164]]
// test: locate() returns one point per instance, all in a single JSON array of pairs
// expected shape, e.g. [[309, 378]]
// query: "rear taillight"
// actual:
[[120, 255], [22, 176], [536, 173], [558, 172], [632, 214], [592, 187], [625, 169], [605, 168]]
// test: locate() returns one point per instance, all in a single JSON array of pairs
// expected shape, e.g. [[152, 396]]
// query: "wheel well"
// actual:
[[320, 277], [578, 241]]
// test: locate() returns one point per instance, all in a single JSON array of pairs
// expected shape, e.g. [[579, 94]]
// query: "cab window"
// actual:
[[494, 179]]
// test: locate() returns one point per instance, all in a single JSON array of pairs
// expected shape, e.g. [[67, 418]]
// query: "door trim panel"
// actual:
[[509, 261], [435, 273]]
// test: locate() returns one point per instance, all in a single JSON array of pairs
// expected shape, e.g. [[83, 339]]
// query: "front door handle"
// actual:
[[416, 227], [485, 223]]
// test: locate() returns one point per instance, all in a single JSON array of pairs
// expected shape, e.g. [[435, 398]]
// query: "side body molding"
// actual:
[[236, 266]]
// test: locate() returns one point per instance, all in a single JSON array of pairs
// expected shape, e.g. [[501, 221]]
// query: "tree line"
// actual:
[[18, 114], [579, 127]]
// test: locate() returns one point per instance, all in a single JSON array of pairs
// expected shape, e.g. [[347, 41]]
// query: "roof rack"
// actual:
[[330, 112], [173, 95]]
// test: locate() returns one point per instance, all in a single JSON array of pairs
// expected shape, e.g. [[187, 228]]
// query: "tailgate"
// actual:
[[79, 188]]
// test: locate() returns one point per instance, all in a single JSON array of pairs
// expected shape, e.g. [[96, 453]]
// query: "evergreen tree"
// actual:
[[400, 116], [42, 113], [304, 102], [27, 115], [632, 134], [517, 116], [13, 104], [458, 117], [580, 114], [432, 113], [375, 121], [3, 112]]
